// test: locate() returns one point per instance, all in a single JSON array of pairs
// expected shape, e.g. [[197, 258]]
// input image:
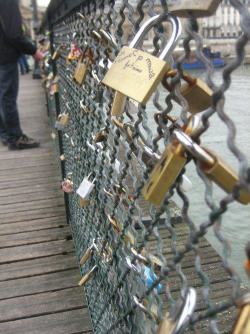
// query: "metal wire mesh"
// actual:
[[129, 292]]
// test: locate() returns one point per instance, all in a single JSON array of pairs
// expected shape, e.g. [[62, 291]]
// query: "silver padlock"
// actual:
[[175, 324], [86, 187]]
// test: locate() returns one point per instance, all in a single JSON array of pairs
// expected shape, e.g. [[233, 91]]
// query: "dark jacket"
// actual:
[[12, 40]]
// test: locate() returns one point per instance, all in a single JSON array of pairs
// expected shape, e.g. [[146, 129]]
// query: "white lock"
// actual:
[[86, 187]]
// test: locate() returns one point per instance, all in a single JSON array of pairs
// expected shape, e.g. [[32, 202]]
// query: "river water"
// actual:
[[235, 224]]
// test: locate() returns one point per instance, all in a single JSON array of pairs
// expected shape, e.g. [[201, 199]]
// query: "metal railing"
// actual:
[[139, 261]]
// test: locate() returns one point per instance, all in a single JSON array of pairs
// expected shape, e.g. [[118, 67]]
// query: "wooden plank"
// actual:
[[33, 225], [19, 171], [38, 196], [36, 205], [39, 266], [40, 304], [35, 251], [36, 188], [24, 164], [42, 283], [32, 182], [70, 322], [29, 238], [9, 217]]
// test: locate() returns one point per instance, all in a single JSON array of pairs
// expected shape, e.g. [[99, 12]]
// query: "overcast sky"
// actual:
[[43, 2]]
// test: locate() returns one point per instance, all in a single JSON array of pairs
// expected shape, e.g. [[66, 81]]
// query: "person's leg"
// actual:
[[10, 118], [22, 66], [9, 91], [25, 62]]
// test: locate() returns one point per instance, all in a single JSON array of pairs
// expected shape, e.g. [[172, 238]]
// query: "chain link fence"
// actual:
[[145, 268]]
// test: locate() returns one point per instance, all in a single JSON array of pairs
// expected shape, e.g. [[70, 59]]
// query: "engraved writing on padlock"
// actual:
[[87, 276], [213, 167], [196, 8], [135, 73], [86, 187], [196, 92]]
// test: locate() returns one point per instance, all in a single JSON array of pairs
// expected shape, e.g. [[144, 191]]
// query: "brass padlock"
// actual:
[[62, 121], [136, 73], [117, 227], [213, 167], [168, 168], [83, 202], [242, 324], [57, 53], [195, 91], [195, 8], [86, 256], [88, 253], [87, 276], [100, 136], [81, 71]]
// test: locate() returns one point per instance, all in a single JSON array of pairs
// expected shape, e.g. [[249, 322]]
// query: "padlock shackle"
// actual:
[[186, 310], [148, 25], [196, 151]]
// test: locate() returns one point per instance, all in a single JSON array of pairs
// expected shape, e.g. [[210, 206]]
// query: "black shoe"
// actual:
[[22, 143]]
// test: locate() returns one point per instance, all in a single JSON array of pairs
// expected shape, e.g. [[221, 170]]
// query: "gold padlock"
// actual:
[[195, 8], [168, 168], [100, 136], [81, 71], [57, 53], [88, 253], [242, 324], [213, 167], [177, 323], [83, 202], [135, 73], [195, 91], [87, 276], [117, 227], [86, 256], [63, 119]]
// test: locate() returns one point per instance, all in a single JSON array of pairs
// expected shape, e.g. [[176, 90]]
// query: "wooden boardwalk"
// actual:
[[38, 269]]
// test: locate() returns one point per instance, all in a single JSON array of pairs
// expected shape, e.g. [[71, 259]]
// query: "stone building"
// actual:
[[225, 24]]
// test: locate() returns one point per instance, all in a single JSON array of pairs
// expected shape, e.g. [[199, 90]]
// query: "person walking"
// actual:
[[23, 64], [13, 43]]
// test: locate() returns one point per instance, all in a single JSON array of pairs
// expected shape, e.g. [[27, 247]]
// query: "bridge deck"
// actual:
[[38, 269]]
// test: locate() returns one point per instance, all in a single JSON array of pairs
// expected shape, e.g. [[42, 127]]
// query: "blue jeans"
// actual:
[[10, 129]]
